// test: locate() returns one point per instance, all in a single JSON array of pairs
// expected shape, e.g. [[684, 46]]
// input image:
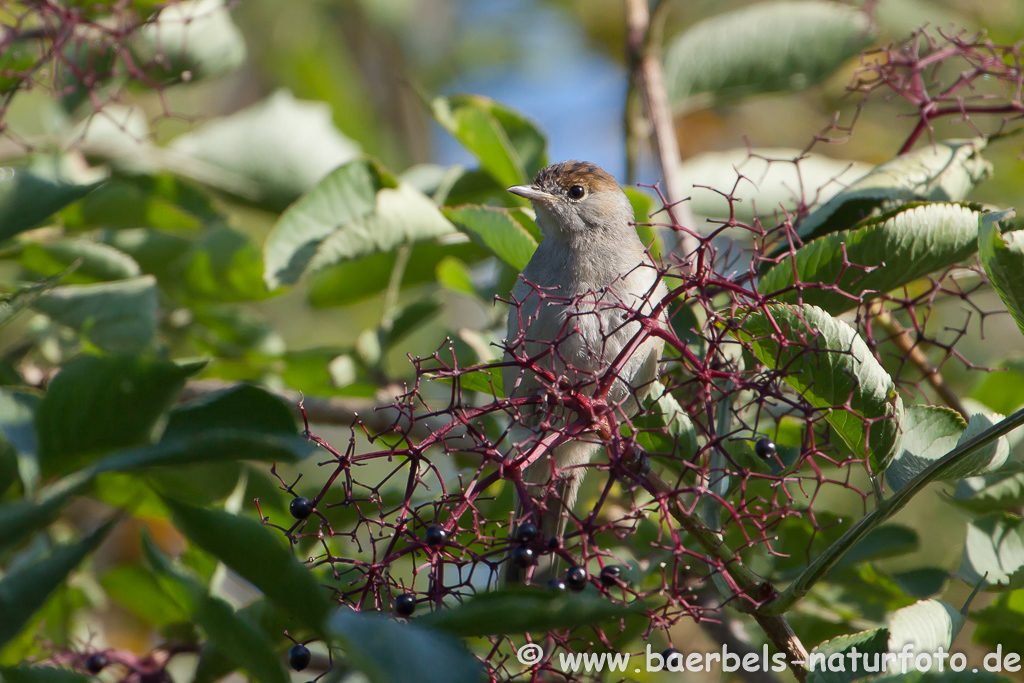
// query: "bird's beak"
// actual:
[[531, 193]]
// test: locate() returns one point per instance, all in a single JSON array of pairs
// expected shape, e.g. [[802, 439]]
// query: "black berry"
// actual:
[[611, 575], [298, 657], [405, 605], [671, 652], [556, 584], [435, 535], [96, 662], [765, 448], [576, 578], [301, 508], [523, 557], [526, 532]]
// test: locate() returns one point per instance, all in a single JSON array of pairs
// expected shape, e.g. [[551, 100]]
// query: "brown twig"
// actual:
[[911, 351], [648, 78]]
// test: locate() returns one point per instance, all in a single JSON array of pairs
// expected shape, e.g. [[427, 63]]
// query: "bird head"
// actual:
[[573, 198]]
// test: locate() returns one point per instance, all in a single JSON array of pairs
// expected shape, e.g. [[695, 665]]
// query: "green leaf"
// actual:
[[876, 256], [1003, 260], [774, 179], [28, 196], [244, 643], [96, 404], [194, 37], [774, 46], [1001, 622], [209, 446], [136, 589], [496, 230], [522, 609], [226, 265], [242, 406], [20, 518], [830, 366], [408, 319], [994, 549], [357, 210], [643, 207], [14, 303], [1001, 491], [922, 583], [927, 625], [118, 317], [98, 262], [929, 432], [888, 540], [453, 274], [388, 651], [988, 459], [24, 589], [157, 252], [944, 172], [41, 674], [509, 147], [298, 146], [1003, 389], [665, 429], [235, 541], [158, 201], [870, 643], [352, 281]]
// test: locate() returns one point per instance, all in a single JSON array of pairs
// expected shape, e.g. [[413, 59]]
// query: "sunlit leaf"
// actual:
[[1003, 259], [97, 262], [773, 46], [297, 146], [496, 230], [994, 552], [926, 625], [876, 256], [189, 40], [929, 432], [944, 172], [866, 643], [508, 146], [829, 365], [357, 210]]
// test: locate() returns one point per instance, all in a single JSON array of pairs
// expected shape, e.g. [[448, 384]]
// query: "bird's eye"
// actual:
[[577, 192]]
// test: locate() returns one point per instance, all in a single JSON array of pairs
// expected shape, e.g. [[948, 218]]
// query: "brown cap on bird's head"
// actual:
[[573, 197]]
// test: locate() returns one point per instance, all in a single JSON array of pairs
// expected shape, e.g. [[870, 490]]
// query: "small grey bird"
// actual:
[[569, 310]]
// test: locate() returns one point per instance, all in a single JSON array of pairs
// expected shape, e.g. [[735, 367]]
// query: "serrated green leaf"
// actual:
[[993, 552], [774, 46], [388, 651], [24, 589], [1002, 256], [828, 364], [926, 625], [96, 404], [944, 172], [118, 317], [869, 643], [876, 256], [929, 432], [496, 230], [522, 609], [509, 147], [235, 541], [356, 210]]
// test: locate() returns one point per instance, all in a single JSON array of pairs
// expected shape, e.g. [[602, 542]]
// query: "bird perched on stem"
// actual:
[[573, 329]]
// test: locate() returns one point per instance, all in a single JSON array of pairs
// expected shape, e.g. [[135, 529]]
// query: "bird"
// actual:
[[572, 312]]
